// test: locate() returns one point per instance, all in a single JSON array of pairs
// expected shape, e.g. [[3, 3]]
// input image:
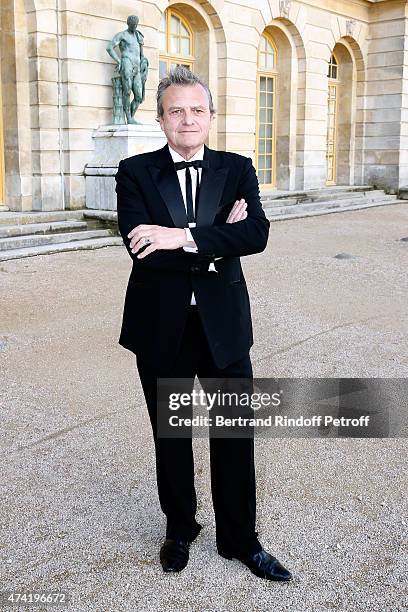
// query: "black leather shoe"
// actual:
[[262, 564], [174, 555]]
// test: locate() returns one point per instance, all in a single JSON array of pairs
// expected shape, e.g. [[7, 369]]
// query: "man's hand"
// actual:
[[238, 211], [161, 238]]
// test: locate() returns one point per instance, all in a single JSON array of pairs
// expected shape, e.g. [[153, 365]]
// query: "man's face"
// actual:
[[186, 117]]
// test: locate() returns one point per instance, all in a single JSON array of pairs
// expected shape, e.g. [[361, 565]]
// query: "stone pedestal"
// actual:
[[112, 144]]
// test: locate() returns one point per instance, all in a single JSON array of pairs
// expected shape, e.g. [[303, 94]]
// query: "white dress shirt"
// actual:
[[181, 175]]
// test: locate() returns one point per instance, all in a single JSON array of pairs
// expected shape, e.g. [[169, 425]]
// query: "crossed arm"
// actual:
[[244, 233], [170, 238], [133, 213]]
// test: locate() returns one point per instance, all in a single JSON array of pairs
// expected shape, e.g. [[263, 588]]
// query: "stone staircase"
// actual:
[[281, 205], [40, 233]]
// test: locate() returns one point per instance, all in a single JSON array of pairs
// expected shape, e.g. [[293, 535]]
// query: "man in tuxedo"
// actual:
[[187, 214]]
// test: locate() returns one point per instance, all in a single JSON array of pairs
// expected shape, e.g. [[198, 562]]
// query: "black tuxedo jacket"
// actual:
[[160, 285]]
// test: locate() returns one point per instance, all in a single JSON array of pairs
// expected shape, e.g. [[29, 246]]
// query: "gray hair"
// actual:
[[180, 75]]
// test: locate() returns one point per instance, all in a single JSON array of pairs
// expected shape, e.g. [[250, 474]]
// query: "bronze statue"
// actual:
[[132, 66]]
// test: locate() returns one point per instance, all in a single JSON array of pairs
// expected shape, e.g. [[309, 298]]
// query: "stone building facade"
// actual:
[[316, 92]]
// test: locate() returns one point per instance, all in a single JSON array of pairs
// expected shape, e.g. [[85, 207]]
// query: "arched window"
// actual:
[[176, 42], [266, 104], [267, 54], [332, 73], [332, 120]]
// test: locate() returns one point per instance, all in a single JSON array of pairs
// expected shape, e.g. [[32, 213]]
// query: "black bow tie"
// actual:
[[198, 163]]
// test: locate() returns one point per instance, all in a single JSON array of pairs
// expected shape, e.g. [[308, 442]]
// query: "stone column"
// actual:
[[16, 104], [385, 146], [45, 97]]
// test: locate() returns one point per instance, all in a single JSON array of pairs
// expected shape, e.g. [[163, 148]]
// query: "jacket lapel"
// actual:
[[165, 179], [211, 188], [212, 185]]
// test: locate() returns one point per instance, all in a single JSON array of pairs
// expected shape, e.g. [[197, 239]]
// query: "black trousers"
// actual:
[[233, 484]]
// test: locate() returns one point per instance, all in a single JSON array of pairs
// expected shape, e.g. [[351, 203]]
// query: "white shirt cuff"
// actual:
[[189, 238]]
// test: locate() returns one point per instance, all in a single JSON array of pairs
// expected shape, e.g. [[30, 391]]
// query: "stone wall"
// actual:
[[56, 83]]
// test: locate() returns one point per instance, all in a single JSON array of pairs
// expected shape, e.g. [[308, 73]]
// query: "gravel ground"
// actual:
[[80, 509]]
